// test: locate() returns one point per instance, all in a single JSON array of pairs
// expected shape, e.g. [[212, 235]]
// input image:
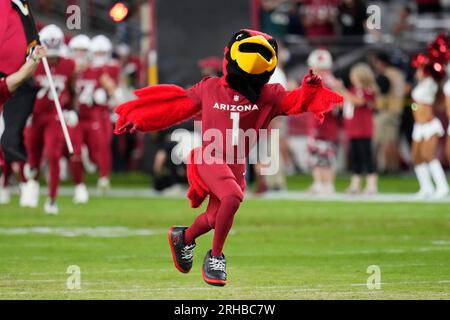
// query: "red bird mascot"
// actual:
[[238, 101]]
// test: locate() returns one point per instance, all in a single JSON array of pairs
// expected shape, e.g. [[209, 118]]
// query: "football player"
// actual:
[[43, 135], [97, 89]]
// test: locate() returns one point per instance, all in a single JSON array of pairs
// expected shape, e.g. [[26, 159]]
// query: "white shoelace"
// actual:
[[217, 264], [187, 253]]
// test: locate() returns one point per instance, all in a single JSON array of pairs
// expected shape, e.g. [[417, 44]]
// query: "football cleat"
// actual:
[[182, 255], [103, 186], [214, 270], [29, 195], [50, 207], [81, 195], [440, 193], [5, 196]]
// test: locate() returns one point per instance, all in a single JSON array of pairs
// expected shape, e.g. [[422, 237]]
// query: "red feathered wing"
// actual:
[[156, 108], [310, 97], [159, 107]]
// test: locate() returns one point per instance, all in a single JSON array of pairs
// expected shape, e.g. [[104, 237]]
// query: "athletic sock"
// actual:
[[199, 227], [438, 175], [54, 177], [22, 177], [424, 178], [6, 173], [76, 167], [224, 220]]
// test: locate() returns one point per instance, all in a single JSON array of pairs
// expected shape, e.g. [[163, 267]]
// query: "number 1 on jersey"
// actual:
[[234, 116]]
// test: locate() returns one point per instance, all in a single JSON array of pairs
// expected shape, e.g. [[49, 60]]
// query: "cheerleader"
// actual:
[[427, 130], [447, 103]]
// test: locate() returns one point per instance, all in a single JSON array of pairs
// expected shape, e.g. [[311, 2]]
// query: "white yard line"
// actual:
[[240, 290], [282, 195]]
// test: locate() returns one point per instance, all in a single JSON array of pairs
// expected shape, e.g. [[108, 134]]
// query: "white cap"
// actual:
[[80, 42], [320, 59], [52, 38]]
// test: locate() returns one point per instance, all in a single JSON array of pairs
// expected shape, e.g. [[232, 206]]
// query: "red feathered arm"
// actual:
[[156, 108], [310, 97]]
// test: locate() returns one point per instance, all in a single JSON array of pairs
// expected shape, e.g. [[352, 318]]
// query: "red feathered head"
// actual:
[[434, 61], [249, 61]]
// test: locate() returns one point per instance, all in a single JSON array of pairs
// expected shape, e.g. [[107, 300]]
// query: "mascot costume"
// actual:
[[238, 101]]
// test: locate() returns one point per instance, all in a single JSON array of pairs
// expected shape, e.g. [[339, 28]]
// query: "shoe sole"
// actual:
[[172, 249], [213, 282]]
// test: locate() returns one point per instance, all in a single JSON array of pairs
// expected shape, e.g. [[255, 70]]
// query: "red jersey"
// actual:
[[227, 111], [301, 124], [62, 72], [92, 98], [13, 42], [359, 121], [322, 14]]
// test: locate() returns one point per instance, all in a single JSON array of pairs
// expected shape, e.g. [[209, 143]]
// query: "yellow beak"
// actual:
[[254, 55]]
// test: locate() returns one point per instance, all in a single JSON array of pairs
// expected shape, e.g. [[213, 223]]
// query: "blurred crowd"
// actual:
[[340, 18]]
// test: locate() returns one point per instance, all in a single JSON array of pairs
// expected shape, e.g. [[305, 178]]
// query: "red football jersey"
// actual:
[[227, 111], [62, 71], [360, 124], [92, 98]]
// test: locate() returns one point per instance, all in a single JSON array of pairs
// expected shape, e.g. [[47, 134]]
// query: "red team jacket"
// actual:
[[12, 41], [4, 92]]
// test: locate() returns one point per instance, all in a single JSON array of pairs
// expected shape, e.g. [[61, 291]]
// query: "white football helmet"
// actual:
[[79, 49], [80, 42], [101, 50], [52, 38], [320, 59]]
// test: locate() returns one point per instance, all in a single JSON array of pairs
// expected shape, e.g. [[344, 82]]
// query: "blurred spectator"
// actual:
[[130, 66], [210, 66], [275, 17], [319, 17], [352, 17], [359, 105], [405, 22], [323, 144], [389, 109], [428, 6]]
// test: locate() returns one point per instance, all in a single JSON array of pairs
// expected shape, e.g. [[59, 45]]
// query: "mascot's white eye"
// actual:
[[239, 36]]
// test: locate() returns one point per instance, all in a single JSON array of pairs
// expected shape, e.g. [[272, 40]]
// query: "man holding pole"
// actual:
[[18, 37]]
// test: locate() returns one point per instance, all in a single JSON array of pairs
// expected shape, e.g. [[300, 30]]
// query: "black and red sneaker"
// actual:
[[214, 270], [182, 255]]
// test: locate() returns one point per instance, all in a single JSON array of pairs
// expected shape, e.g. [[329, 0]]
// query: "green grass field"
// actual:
[[277, 250]]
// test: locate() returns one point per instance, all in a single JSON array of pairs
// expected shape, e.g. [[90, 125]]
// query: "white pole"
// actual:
[[57, 105]]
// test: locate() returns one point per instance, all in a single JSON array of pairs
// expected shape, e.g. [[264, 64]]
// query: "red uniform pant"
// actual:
[[97, 136], [44, 138], [226, 183]]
